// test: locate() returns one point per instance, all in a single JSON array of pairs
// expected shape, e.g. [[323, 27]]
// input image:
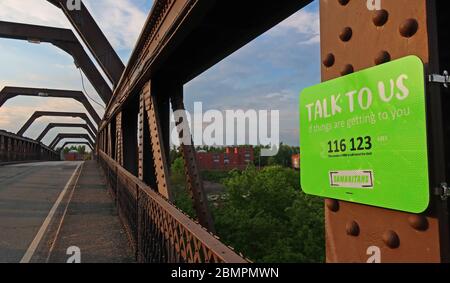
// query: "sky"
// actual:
[[266, 74]]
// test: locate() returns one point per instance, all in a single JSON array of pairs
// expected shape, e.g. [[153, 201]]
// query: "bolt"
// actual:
[[409, 28], [329, 60], [391, 239], [382, 57], [352, 229], [380, 17], [418, 222], [346, 34], [348, 69], [332, 205]]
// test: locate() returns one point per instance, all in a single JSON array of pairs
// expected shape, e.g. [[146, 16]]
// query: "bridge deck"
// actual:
[[50, 206], [91, 223]]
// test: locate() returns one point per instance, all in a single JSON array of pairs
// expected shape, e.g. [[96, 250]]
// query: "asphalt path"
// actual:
[[28, 193]]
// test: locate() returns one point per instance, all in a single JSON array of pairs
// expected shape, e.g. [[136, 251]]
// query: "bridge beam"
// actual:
[[10, 92], [66, 125], [39, 114], [61, 137], [64, 39], [94, 39]]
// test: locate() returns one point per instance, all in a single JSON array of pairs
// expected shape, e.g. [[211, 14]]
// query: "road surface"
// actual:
[[28, 192]]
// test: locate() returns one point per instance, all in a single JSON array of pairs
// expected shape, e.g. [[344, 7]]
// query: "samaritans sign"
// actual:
[[363, 137]]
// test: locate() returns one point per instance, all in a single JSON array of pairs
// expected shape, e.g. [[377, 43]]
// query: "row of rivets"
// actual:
[[407, 29], [390, 238]]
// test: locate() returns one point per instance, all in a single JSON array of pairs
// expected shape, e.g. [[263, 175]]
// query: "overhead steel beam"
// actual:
[[182, 39], [39, 114], [94, 39], [61, 137], [11, 92], [66, 125], [74, 142], [64, 39]]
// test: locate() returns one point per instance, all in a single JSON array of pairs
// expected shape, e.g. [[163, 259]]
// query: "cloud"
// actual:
[[306, 22], [121, 21], [266, 74]]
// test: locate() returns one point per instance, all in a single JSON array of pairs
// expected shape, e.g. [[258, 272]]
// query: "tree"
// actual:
[[181, 197], [269, 219], [284, 156], [81, 149]]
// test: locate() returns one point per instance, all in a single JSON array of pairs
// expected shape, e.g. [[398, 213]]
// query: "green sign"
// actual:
[[363, 137]]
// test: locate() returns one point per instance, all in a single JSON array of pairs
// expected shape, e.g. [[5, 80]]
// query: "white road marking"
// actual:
[[37, 239], [63, 217]]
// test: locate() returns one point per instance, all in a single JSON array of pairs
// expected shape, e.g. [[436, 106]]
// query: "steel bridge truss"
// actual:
[[61, 137], [183, 38], [38, 114]]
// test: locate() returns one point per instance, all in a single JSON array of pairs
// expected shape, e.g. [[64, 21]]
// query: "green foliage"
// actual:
[[80, 149], [182, 199], [269, 219], [284, 156], [214, 176]]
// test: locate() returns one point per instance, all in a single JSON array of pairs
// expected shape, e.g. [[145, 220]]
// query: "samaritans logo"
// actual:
[[352, 179]]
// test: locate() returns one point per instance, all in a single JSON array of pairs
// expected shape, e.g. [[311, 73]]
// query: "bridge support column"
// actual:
[[193, 176], [354, 38], [154, 167], [130, 142], [119, 139]]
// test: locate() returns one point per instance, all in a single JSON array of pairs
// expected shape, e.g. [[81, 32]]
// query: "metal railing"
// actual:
[[157, 230], [14, 148]]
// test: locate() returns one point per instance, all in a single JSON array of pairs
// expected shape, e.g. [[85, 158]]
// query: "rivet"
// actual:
[[418, 222], [346, 34], [352, 229], [329, 60], [380, 17], [332, 205], [348, 69], [343, 2], [391, 239], [382, 57], [409, 28]]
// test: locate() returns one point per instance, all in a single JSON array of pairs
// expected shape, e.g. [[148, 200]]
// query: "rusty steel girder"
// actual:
[[183, 38], [354, 38], [10, 92], [64, 39], [94, 39], [61, 137], [192, 172], [66, 125], [39, 114], [75, 142]]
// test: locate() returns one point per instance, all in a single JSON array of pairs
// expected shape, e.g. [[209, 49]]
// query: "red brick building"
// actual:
[[296, 161], [73, 155], [232, 158]]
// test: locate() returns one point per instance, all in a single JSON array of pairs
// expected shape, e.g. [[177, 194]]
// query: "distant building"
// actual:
[[73, 155], [296, 161], [233, 158]]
